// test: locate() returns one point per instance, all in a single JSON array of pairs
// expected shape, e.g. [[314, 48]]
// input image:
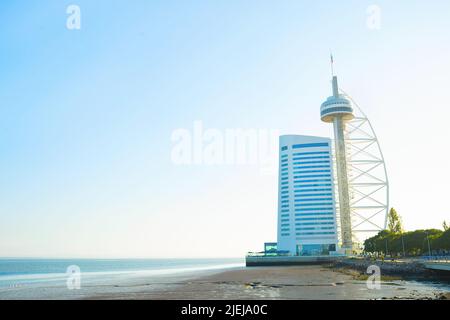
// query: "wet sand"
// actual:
[[297, 282]]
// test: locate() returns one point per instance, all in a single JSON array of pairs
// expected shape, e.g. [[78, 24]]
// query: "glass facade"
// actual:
[[270, 248], [315, 249]]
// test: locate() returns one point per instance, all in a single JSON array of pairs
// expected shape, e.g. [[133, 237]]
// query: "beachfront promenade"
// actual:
[[268, 260], [438, 263], [441, 266], [405, 267], [423, 267]]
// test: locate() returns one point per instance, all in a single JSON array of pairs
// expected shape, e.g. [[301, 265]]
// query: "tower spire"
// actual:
[[333, 77]]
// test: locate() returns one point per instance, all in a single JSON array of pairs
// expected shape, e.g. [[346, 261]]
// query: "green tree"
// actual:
[[445, 225], [416, 242], [394, 222], [443, 242]]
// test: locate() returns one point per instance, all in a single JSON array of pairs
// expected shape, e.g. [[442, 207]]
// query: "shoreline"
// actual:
[[309, 282]]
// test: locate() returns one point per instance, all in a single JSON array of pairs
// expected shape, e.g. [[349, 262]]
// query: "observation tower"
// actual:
[[337, 109]]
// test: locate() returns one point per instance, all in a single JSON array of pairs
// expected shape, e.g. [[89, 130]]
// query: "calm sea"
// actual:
[[17, 272]]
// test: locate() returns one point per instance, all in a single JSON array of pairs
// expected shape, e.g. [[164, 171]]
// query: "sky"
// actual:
[[88, 116]]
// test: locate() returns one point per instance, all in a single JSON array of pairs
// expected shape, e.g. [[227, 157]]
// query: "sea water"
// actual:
[[28, 278]]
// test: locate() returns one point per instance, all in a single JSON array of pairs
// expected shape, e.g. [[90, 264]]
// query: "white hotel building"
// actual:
[[306, 199]]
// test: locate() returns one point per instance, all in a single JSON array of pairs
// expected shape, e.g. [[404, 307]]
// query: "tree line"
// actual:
[[396, 242]]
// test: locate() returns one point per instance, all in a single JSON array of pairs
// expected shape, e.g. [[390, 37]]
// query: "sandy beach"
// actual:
[[297, 282], [233, 282]]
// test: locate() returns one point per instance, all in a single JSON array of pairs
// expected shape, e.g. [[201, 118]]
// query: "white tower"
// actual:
[[337, 109]]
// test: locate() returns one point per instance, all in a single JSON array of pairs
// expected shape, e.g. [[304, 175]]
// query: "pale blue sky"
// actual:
[[86, 116]]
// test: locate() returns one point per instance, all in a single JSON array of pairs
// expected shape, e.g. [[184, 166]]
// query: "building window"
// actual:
[[311, 162], [313, 195], [314, 223], [315, 218], [310, 158], [311, 190], [310, 145], [314, 214], [336, 109], [310, 153], [312, 176], [314, 171], [314, 228], [326, 209], [303, 186], [314, 204], [312, 167], [310, 180], [313, 233], [313, 199], [311, 185]]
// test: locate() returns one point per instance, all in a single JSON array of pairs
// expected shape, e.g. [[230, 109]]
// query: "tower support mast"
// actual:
[[338, 110]]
